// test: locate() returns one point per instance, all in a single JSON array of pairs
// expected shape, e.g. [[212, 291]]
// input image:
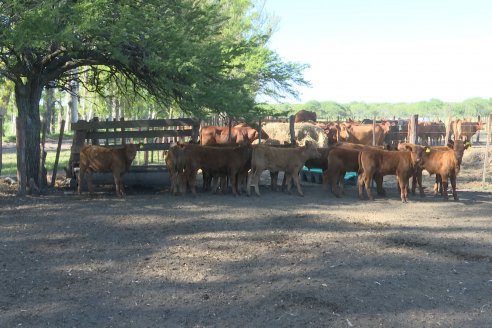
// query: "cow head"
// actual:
[[344, 133], [131, 152], [311, 150]]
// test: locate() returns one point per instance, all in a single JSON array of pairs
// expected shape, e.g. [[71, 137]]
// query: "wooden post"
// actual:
[[57, 158], [292, 130], [94, 141], [448, 130], [259, 131], [1, 137], [229, 135], [21, 158], [487, 147], [374, 131], [412, 129], [478, 132], [338, 128]]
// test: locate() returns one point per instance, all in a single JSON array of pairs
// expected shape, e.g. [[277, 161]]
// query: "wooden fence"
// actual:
[[155, 135]]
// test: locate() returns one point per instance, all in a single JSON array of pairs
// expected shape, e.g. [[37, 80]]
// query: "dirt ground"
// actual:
[[156, 260]]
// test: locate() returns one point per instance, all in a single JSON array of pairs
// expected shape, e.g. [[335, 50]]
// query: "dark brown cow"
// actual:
[[304, 116], [230, 161], [240, 134], [100, 159], [288, 160], [344, 157], [383, 162], [431, 133]]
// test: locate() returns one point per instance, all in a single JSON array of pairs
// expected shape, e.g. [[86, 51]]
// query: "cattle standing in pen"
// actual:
[[289, 160], [383, 162], [100, 159]]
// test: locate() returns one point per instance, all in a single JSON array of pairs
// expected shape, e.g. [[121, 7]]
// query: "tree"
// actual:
[[181, 52]]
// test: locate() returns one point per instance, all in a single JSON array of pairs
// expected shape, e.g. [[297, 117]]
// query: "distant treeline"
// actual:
[[433, 109]]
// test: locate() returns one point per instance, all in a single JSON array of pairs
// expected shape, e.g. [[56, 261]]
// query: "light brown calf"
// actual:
[[100, 159], [289, 160]]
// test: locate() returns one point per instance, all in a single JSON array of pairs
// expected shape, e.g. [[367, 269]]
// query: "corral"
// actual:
[[153, 259]]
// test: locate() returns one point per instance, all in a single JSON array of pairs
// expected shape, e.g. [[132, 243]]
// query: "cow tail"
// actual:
[[359, 158]]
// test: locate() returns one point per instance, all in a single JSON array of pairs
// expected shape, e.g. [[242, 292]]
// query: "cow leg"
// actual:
[[418, 178], [233, 178], [445, 187], [326, 180], [361, 184], [403, 183], [288, 179], [367, 184], [453, 186], [341, 184], [379, 185], [297, 181], [273, 180], [89, 182], [122, 184], [80, 179], [191, 180], [117, 182]]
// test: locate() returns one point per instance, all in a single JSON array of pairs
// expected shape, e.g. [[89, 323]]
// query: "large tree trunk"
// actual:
[[27, 97]]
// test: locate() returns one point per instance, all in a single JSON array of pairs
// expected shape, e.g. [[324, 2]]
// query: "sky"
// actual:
[[387, 50]]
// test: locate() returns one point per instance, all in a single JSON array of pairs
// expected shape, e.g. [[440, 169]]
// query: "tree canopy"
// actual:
[[205, 56]]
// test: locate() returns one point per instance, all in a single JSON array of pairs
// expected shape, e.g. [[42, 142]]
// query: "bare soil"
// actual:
[[156, 260]]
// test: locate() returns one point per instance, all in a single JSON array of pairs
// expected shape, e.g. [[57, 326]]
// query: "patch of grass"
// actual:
[[9, 162]]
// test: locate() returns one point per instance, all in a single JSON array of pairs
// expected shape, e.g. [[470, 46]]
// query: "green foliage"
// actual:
[[433, 109]]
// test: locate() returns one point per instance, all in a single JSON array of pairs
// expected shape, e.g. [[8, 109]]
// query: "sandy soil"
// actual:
[[155, 260]]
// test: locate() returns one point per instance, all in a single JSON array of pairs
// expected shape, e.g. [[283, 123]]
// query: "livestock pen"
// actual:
[[155, 136]]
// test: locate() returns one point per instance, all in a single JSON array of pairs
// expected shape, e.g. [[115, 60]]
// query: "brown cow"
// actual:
[[458, 147], [445, 164], [289, 160], [230, 161], [465, 130], [304, 116], [342, 158], [383, 162], [431, 133], [100, 159], [240, 134], [175, 160], [318, 163], [363, 133]]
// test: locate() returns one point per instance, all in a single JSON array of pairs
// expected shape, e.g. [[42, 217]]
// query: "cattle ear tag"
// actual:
[[427, 150]]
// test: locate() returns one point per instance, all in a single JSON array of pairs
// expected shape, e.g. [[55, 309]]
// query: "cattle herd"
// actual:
[[229, 158]]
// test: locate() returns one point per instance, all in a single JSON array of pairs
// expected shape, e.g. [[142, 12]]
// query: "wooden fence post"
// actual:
[[58, 149], [448, 130], [374, 131], [21, 157], [412, 129], [292, 130], [2, 111], [486, 157]]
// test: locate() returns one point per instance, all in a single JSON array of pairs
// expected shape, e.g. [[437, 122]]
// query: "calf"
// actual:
[[342, 158], [100, 159], [457, 146], [445, 164], [233, 161], [382, 162], [289, 160]]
